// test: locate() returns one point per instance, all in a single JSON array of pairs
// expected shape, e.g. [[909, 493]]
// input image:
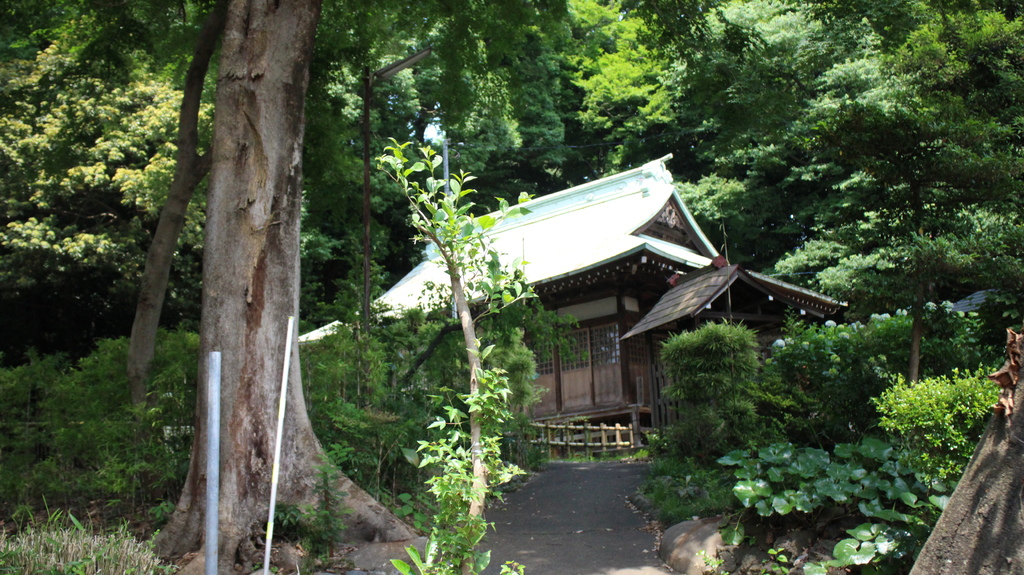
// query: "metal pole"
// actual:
[[277, 444], [368, 80], [212, 462], [447, 188]]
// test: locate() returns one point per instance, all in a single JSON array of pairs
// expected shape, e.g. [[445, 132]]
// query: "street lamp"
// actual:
[[368, 81]]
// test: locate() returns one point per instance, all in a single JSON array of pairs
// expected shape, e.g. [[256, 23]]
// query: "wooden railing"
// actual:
[[567, 438]]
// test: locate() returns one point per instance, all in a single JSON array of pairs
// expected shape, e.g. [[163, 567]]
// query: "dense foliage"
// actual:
[[820, 490], [71, 435], [820, 379], [939, 419], [711, 370], [872, 151]]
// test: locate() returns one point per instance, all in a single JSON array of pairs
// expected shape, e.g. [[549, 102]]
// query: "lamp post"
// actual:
[[368, 81]]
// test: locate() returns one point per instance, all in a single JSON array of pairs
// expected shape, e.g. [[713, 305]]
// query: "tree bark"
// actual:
[[477, 503], [916, 336], [190, 169], [251, 287], [981, 530]]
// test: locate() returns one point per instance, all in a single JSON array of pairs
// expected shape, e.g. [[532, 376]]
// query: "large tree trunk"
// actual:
[[190, 169], [981, 530], [251, 287]]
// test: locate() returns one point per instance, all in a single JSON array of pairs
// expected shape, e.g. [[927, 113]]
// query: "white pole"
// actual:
[[277, 445], [212, 462]]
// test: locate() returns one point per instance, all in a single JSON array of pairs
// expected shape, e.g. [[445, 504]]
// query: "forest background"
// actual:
[[872, 151], [858, 150]]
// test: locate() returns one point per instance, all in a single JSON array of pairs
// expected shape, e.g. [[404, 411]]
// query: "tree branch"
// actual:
[[429, 351]]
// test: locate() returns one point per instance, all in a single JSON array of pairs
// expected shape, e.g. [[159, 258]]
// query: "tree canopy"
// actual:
[[869, 150]]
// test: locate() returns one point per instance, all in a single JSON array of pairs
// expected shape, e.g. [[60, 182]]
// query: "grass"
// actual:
[[682, 489], [66, 547]]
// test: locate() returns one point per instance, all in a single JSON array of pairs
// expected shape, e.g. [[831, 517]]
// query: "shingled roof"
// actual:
[[698, 291]]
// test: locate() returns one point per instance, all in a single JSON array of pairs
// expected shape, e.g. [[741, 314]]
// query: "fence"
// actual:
[[565, 438]]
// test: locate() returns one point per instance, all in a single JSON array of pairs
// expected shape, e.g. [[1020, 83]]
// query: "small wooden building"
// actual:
[[625, 258]]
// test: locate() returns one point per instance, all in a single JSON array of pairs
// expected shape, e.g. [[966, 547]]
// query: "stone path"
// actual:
[[574, 519]]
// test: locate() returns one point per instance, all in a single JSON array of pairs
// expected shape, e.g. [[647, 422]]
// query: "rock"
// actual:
[[287, 557], [751, 560], [374, 557], [682, 542], [642, 503], [796, 542]]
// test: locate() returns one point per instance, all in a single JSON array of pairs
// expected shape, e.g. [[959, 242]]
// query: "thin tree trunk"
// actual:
[[251, 287], [916, 336], [476, 505], [190, 169]]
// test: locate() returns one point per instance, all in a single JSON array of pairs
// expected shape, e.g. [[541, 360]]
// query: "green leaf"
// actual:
[[803, 502], [875, 449], [939, 501], [412, 456], [846, 551], [736, 457], [864, 532], [869, 508], [763, 509], [749, 491], [486, 222], [864, 554], [782, 505], [482, 560], [402, 567], [892, 515], [844, 450], [78, 524], [733, 535], [908, 497], [815, 569]]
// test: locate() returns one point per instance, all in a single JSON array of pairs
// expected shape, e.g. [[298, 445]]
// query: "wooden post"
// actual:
[[634, 424], [604, 436], [618, 434], [586, 439]]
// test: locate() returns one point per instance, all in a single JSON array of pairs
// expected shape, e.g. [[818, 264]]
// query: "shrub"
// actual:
[[713, 362], [707, 431], [75, 436], [822, 378], [363, 420], [939, 419], [712, 371]]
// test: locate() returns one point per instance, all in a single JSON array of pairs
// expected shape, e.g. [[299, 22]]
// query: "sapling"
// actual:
[[468, 463]]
